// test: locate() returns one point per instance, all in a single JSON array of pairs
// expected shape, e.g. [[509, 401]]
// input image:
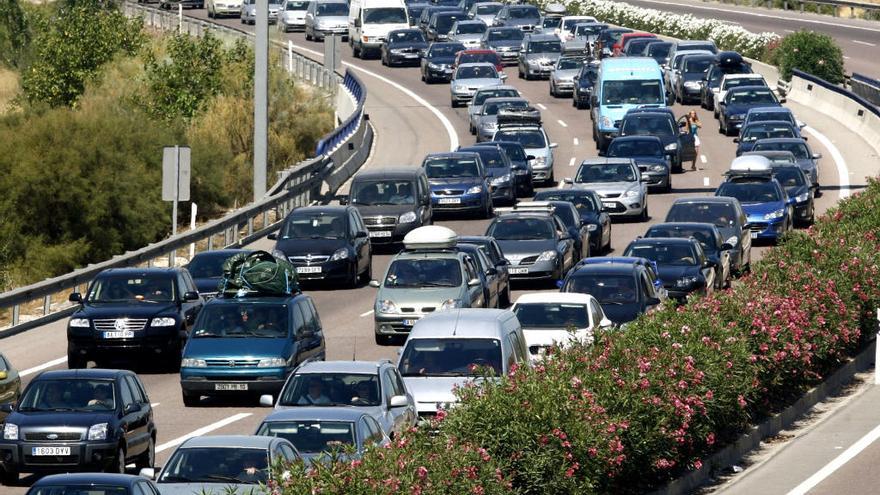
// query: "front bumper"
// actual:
[[329, 270], [564, 86], [690, 93], [157, 343], [657, 180], [322, 32], [541, 174], [403, 58], [229, 381], [288, 23], [84, 456], [803, 211], [464, 202], [223, 9], [486, 133], [764, 229], [538, 70], [503, 192], [539, 270], [583, 96], [624, 207], [442, 73], [395, 324], [681, 293], [390, 233], [508, 57]]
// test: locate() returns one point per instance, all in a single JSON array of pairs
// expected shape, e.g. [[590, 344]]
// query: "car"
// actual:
[[326, 243], [465, 5], [672, 69], [805, 158], [761, 114], [563, 74], [429, 12], [732, 110], [592, 214], [618, 47], [584, 82], [534, 140], [689, 79], [550, 21], [441, 23], [436, 64], [486, 122], [499, 172], [319, 434], [223, 8], [490, 248], [448, 349], [585, 35], [726, 62], [710, 239], [536, 243], [133, 312], [428, 275], [485, 11], [682, 46], [732, 81], [483, 94], [636, 47], [469, 33], [415, 10], [606, 40], [222, 464], [764, 201], [293, 15], [658, 50], [624, 289], [206, 269], [403, 47], [487, 273], [10, 384], [480, 55], [93, 484], [388, 215], [650, 270], [525, 17], [571, 219], [372, 388], [326, 18], [775, 157], [727, 215], [249, 11], [506, 41], [650, 157], [767, 129], [78, 420], [798, 187], [567, 26], [552, 319], [681, 263], [618, 182], [519, 165], [458, 182], [538, 55], [678, 143]]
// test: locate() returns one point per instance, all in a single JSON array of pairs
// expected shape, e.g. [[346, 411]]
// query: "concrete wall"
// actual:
[[345, 105]]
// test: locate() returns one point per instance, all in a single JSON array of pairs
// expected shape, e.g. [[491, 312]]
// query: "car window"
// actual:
[[601, 172], [125, 394], [529, 139], [118, 288], [387, 387], [242, 320], [287, 452], [397, 382], [74, 394], [374, 436], [470, 268], [451, 167], [382, 192], [136, 489], [136, 392], [595, 312], [521, 229], [409, 273], [331, 389], [309, 315], [450, 356]]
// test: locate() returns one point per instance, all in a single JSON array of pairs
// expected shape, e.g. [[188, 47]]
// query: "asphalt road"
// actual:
[[406, 131]]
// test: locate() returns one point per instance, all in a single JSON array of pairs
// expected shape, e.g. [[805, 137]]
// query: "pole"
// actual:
[[176, 190], [179, 17], [194, 208], [261, 98]]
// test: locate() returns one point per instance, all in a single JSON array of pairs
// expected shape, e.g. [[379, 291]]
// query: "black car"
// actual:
[[624, 290], [681, 263], [436, 65], [738, 101], [678, 143], [724, 63], [145, 312], [709, 237], [93, 484], [725, 213], [392, 202], [593, 215], [690, 80], [636, 46], [493, 252], [519, 164], [404, 46], [429, 11], [415, 12], [440, 24], [73, 420], [206, 269], [584, 82], [489, 276], [506, 41], [499, 171], [326, 243], [536, 243], [658, 50], [650, 157], [571, 219]]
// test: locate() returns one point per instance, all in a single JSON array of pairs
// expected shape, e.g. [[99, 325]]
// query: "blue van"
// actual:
[[624, 83]]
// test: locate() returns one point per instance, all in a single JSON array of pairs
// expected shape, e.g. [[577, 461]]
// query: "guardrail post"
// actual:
[[250, 227], [211, 242], [16, 314], [47, 304], [237, 234], [172, 258]]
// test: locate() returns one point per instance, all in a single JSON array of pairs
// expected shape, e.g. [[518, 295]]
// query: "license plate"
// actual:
[[608, 205], [450, 201], [230, 386], [380, 233], [308, 269], [125, 334], [754, 235], [50, 451], [411, 55], [518, 271], [409, 323]]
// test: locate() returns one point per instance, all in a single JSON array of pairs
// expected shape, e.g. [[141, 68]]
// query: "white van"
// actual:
[[370, 21]]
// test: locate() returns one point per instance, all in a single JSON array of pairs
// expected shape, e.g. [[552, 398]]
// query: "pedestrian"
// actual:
[[693, 126]]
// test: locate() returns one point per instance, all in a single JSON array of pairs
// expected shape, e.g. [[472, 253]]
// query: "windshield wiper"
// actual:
[[221, 477], [207, 336], [175, 478], [324, 237], [435, 284]]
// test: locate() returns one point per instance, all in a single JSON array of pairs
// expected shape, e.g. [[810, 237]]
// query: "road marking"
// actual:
[[863, 43], [450, 130], [542, 107], [368, 313], [571, 163], [201, 431], [576, 142], [563, 124], [703, 158], [842, 170], [154, 404], [705, 181], [788, 30], [845, 57], [839, 461], [35, 369]]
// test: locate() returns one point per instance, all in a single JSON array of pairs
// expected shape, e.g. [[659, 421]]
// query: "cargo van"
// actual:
[[624, 83], [370, 21]]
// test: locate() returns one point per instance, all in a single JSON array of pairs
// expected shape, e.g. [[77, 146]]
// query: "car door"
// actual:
[[404, 416], [500, 263], [310, 338], [493, 279], [139, 425], [475, 294], [129, 421], [359, 244], [189, 309], [709, 271], [745, 237], [286, 452], [565, 243], [392, 418], [686, 143]]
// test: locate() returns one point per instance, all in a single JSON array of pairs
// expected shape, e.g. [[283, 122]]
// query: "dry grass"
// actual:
[[8, 88]]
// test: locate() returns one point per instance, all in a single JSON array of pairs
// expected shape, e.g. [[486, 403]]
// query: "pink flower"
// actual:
[[422, 471], [741, 401], [575, 382], [710, 439], [698, 464]]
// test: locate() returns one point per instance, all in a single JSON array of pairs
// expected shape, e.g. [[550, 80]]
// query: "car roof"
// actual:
[[255, 299], [140, 271], [499, 86], [705, 199], [504, 98], [694, 42], [388, 173], [769, 109], [542, 37], [452, 154], [316, 413], [605, 268], [476, 323], [692, 52], [322, 209], [87, 479], [475, 239], [548, 214], [684, 225], [699, 54], [228, 441], [86, 373], [748, 75], [471, 21], [554, 297], [607, 161], [353, 367], [636, 137], [751, 87], [786, 123], [476, 64], [782, 140], [663, 240]]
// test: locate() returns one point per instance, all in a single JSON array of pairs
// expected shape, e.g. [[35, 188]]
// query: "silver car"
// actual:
[[538, 55], [249, 11], [292, 15], [487, 120], [476, 105], [618, 182], [535, 142], [485, 11], [562, 77], [468, 33], [374, 388], [325, 18], [469, 78]]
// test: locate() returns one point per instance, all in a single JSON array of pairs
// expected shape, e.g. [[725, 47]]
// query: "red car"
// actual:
[[478, 55], [617, 48]]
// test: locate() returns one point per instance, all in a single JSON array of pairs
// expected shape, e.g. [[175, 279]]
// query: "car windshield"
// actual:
[[445, 21], [383, 192], [705, 237], [570, 24], [126, 288], [718, 214], [491, 157], [69, 394], [385, 15], [551, 22], [632, 91], [412, 36], [488, 9], [608, 289], [588, 30], [492, 107], [450, 357], [601, 172], [798, 149], [696, 65], [523, 12], [764, 131], [423, 273], [529, 139], [476, 72], [451, 168], [567, 216], [545, 47], [482, 96], [611, 36], [552, 315], [750, 192], [74, 489], [743, 81], [207, 265], [505, 35], [658, 50], [672, 254], [521, 229], [789, 176], [311, 436], [582, 202], [638, 147], [471, 28], [445, 50], [515, 152], [242, 320], [569, 63], [637, 45], [332, 9], [781, 115], [648, 125], [314, 226], [331, 389], [476, 58], [750, 97], [297, 6], [217, 465]]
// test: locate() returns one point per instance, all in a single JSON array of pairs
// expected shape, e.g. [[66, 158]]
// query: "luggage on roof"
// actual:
[[519, 115], [555, 9], [258, 273]]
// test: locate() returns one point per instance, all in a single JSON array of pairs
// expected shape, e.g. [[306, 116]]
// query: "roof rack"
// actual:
[[518, 116]]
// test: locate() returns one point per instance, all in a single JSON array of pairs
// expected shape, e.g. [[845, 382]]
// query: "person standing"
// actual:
[[693, 126]]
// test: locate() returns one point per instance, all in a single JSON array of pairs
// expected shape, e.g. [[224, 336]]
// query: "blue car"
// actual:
[[519, 165], [764, 202], [459, 183], [499, 171], [739, 100], [766, 129], [93, 483]]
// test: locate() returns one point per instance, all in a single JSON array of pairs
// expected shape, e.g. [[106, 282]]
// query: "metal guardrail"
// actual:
[[866, 87], [872, 9], [343, 151], [839, 90]]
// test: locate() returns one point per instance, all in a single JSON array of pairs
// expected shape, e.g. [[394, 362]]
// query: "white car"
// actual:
[[565, 31], [732, 80], [292, 15], [221, 8], [551, 318]]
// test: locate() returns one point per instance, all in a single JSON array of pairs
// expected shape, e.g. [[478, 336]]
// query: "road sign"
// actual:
[[175, 173], [332, 51]]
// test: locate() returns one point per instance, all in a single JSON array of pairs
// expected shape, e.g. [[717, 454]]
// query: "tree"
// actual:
[[810, 52], [14, 35]]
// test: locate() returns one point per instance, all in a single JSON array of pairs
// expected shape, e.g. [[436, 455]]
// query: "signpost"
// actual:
[[332, 51], [175, 178]]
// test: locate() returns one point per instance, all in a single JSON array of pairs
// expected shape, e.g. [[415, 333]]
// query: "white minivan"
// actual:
[[370, 21]]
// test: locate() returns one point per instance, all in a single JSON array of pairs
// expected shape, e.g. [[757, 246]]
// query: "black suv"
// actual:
[[72, 420], [392, 202], [624, 290], [677, 144], [142, 311]]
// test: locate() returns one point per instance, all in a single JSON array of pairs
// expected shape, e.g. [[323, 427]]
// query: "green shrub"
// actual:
[[14, 34], [814, 53]]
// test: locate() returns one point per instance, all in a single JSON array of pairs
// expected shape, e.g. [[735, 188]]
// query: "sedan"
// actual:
[[403, 47], [436, 65], [727, 215], [765, 203], [486, 122], [805, 158], [710, 239], [593, 215], [681, 263], [468, 33], [648, 153], [505, 41], [93, 484], [768, 129], [558, 319], [206, 269], [476, 104], [536, 244], [563, 74], [732, 110], [469, 78]]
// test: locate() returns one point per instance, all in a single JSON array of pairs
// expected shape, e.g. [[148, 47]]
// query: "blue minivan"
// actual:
[[623, 83]]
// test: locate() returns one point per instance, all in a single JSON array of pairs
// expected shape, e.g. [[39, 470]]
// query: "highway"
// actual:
[[407, 129]]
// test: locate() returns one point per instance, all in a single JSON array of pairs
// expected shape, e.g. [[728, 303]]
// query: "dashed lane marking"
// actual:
[[201, 431], [35, 369], [368, 313]]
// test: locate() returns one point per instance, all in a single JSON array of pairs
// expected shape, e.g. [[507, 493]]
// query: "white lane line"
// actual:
[[845, 57], [154, 404], [839, 461], [842, 170], [541, 106], [35, 369], [201, 431], [571, 162], [368, 313], [450, 130], [705, 181], [788, 30], [563, 124], [576, 142], [863, 43], [703, 158]]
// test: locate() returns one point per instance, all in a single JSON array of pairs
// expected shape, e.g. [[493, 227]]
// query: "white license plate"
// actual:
[[411, 55], [518, 271], [230, 386], [308, 269], [125, 334], [450, 201], [754, 235], [409, 323], [608, 205], [380, 233], [50, 451]]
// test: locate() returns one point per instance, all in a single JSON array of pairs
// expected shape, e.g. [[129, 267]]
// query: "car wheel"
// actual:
[[190, 399], [9, 477], [644, 216], [355, 51], [308, 36], [504, 298], [384, 339], [488, 209], [352, 281], [148, 458], [721, 128], [668, 188], [76, 361], [210, 13], [118, 462]]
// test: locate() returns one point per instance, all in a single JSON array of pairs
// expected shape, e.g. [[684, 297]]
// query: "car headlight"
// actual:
[[279, 254], [501, 180], [592, 227], [547, 256], [632, 193], [540, 161], [686, 281], [658, 168], [774, 214], [671, 147], [193, 363], [10, 431], [386, 306], [450, 304], [98, 432], [692, 84], [733, 240], [272, 363], [79, 322], [407, 217], [800, 198], [458, 88], [340, 254], [738, 116], [475, 190], [164, 321]]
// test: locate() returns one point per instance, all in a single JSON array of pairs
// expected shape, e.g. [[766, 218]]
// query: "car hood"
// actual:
[[805, 163], [649, 160], [761, 209], [607, 188], [743, 108], [382, 29], [547, 337], [565, 74], [504, 43], [333, 20], [542, 56], [574, 44], [60, 418], [524, 21], [621, 313], [429, 390], [664, 139], [590, 217], [481, 82], [670, 273], [224, 488], [794, 191], [384, 210], [526, 248], [301, 247], [132, 309], [468, 37], [728, 232], [441, 60], [293, 14], [692, 76], [464, 182], [414, 296], [234, 348], [487, 18]]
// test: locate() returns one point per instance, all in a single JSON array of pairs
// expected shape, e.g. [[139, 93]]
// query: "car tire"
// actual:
[[384, 340], [118, 466], [504, 298], [644, 216], [721, 129], [353, 278], [210, 13], [190, 399], [308, 36], [355, 51], [488, 209], [9, 477], [148, 458], [76, 361]]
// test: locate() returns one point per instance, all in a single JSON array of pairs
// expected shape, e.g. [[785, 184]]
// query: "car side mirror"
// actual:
[[816, 156], [398, 401], [707, 263], [273, 236], [492, 271], [149, 473], [801, 125], [605, 323], [361, 234], [503, 76], [726, 246], [6, 408], [530, 157], [474, 282], [266, 400], [75, 297], [746, 226], [644, 178], [191, 296], [559, 284], [502, 262], [568, 180], [343, 200], [131, 408], [4, 375], [357, 22], [554, 145], [423, 53], [374, 283]]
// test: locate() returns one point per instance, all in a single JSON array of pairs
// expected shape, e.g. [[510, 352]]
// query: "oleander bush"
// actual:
[[808, 51]]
